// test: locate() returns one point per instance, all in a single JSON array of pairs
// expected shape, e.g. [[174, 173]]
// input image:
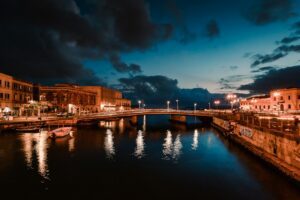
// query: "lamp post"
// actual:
[[168, 105], [195, 107], [217, 102], [139, 101], [232, 99], [177, 104]]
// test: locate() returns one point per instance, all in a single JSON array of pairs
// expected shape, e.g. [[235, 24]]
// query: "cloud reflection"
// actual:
[[140, 145], [109, 144]]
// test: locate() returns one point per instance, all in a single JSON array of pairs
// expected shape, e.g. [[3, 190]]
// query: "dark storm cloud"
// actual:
[[212, 29], [289, 39], [152, 89], [47, 40], [123, 67], [185, 35], [263, 69], [230, 82], [278, 53], [267, 11], [156, 90], [267, 58], [274, 79]]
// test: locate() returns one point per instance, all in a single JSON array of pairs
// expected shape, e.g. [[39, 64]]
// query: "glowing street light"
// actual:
[[217, 102], [232, 99], [177, 104], [195, 107], [139, 101], [168, 105]]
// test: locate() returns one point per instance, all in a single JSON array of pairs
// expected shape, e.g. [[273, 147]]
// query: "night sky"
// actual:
[[163, 48]]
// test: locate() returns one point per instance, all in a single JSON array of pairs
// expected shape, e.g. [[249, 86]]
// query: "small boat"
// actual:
[[60, 132], [28, 129]]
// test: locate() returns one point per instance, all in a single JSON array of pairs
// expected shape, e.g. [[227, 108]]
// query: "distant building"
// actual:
[[68, 98], [14, 93], [281, 100], [108, 99]]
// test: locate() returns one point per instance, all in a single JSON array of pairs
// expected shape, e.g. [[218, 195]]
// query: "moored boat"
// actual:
[[60, 132], [28, 129]]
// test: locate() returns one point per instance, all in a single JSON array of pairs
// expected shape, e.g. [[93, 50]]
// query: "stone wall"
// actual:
[[283, 151]]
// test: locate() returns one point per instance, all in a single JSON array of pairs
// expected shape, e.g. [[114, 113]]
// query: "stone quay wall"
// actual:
[[280, 150]]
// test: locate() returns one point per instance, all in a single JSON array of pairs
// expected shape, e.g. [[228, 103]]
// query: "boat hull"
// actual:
[[60, 132]]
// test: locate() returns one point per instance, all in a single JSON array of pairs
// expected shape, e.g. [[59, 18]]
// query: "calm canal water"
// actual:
[[154, 161]]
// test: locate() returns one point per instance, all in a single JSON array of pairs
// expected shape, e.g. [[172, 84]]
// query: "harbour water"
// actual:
[[156, 160]]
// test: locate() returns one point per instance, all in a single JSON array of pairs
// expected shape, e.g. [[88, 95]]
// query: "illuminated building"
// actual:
[[14, 93], [281, 100]]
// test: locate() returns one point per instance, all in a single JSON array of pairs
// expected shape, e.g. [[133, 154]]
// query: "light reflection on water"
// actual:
[[199, 157], [41, 151], [109, 144], [36, 143], [172, 151], [195, 140], [140, 145], [177, 148], [167, 146]]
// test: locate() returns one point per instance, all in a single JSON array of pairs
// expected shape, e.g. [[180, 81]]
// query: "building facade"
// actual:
[[108, 99], [19, 97], [281, 100], [5, 92], [68, 98], [14, 93]]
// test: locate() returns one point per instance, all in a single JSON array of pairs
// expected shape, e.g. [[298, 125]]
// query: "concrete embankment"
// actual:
[[279, 149]]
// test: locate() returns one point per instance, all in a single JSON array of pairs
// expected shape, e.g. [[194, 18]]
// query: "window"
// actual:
[[0, 83], [289, 97], [274, 99], [281, 97], [269, 107], [6, 96], [289, 106], [298, 96], [1, 96]]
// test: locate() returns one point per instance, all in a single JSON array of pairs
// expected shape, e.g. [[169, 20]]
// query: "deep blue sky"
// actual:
[[203, 61], [154, 47]]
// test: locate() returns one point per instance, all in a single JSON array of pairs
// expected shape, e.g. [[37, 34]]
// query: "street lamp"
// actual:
[[177, 104], [168, 105], [217, 102], [195, 107], [232, 99], [139, 101]]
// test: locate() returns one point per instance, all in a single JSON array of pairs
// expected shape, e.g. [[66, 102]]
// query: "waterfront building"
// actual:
[[17, 96], [14, 93], [113, 100], [5, 93], [69, 98], [108, 99], [280, 100]]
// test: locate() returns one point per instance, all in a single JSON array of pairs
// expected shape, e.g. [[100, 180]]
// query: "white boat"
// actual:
[[60, 132]]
